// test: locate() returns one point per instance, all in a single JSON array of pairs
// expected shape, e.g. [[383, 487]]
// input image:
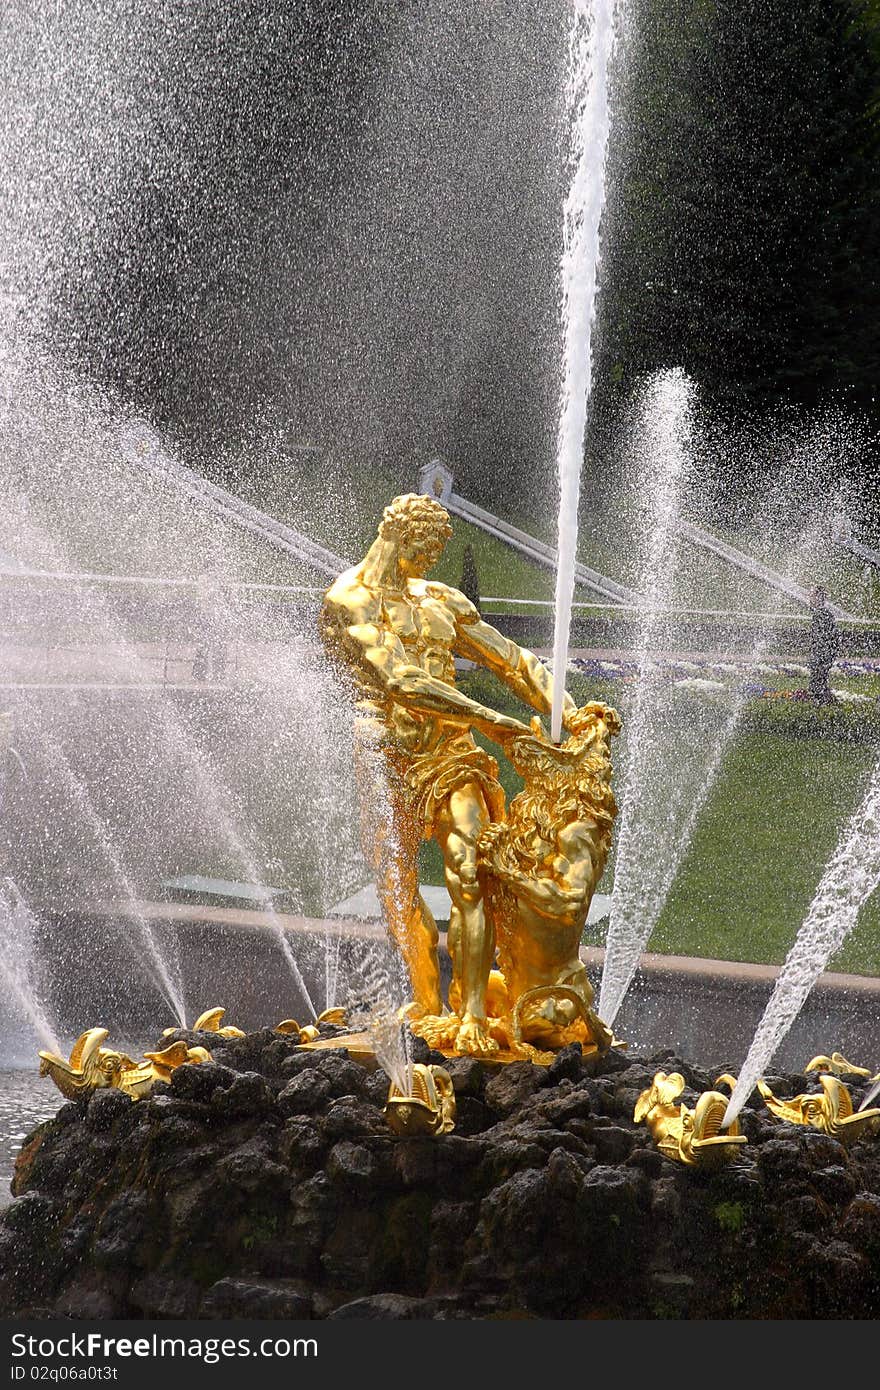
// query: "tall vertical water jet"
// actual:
[[852, 874], [590, 48]]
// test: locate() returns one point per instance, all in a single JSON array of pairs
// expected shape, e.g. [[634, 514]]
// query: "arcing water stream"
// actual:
[[651, 834], [590, 49], [18, 964]]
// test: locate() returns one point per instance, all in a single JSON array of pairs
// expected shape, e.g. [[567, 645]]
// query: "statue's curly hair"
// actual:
[[415, 514]]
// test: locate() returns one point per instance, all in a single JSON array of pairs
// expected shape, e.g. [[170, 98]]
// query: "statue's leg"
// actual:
[[472, 946]]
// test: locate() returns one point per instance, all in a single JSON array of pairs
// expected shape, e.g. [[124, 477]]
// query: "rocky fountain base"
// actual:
[[268, 1184]]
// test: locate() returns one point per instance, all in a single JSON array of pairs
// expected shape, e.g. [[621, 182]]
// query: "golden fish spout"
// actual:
[[289, 1028], [838, 1064], [427, 1108], [210, 1022], [93, 1067], [337, 1016], [693, 1137], [829, 1110]]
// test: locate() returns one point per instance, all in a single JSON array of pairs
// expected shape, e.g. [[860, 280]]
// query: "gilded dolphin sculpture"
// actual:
[[830, 1110], [91, 1067], [838, 1064], [288, 1027], [428, 1108], [94, 1067], [210, 1022], [693, 1137]]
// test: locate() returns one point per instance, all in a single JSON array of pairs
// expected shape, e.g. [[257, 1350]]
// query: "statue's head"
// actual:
[[418, 527]]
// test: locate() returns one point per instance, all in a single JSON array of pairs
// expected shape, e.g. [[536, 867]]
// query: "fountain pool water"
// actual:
[[25, 1100]]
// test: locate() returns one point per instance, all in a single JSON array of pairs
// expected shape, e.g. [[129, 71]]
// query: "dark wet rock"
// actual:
[[349, 1116], [468, 1076], [417, 1162], [376, 1087], [647, 1159], [804, 1213], [471, 1116], [164, 1296], [452, 1225], [841, 1278], [267, 1184], [295, 1062], [122, 1226], [382, 1305], [345, 1077], [305, 1093], [301, 1143], [255, 1298], [567, 1065], [861, 1224], [250, 1169], [248, 1094], [353, 1166], [91, 1296], [427, 1056], [200, 1082], [783, 1161], [507, 1089], [671, 1294], [277, 1053], [822, 1150], [107, 1108], [571, 1103], [834, 1184], [612, 1143]]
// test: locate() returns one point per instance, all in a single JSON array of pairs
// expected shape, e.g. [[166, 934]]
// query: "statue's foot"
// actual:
[[438, 1030], [474, 1038]]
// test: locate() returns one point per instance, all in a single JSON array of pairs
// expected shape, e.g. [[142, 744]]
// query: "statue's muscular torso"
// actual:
[[417, 627]]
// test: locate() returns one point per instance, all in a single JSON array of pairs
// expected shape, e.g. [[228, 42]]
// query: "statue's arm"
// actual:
[[544, 895], [520, 670], [385, 658]]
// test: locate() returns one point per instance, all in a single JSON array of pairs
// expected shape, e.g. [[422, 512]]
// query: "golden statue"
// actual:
[[93, 1066], [838, 1064], [428, 1108], [693, 1137], [830, 1110], [538, 869], [398, 633]]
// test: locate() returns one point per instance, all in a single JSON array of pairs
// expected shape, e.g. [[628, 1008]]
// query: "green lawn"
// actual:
[[768, 828]]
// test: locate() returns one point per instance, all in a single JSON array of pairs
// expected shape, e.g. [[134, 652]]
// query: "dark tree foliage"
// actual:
[[470, 579], [745, 223]]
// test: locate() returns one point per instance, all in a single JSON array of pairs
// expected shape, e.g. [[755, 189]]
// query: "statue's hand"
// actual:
[[490, 839], [506, 729]]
